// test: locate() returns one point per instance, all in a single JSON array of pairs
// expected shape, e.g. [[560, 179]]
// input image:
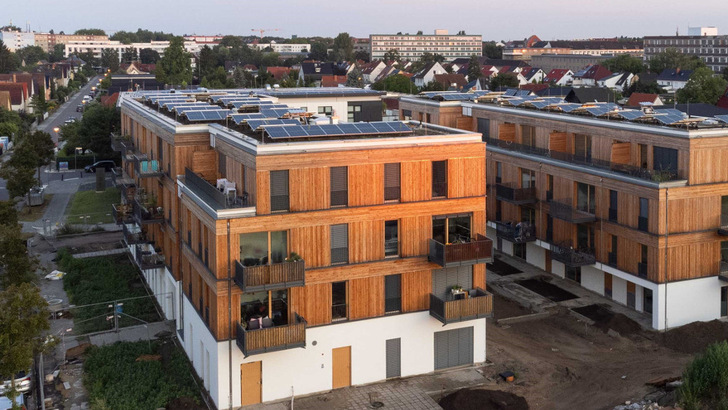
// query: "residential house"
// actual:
[[673, 79], [584, 95], [370, 71], [427, 74], [19, 96], [454, 82], [617, 81], [559, 76], [333, 80], [590, 75], [314, 71], [532, 75], [279, 73], [636, 99], [137, 68]]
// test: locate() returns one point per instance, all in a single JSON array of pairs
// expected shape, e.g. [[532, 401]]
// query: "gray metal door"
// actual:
[[444, 279], [453, 348], [394, 354]]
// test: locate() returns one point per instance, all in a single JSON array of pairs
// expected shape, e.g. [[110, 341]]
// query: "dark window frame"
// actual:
[[338, 189]]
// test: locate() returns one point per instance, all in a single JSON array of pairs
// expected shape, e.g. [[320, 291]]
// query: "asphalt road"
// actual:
[[66, 111]]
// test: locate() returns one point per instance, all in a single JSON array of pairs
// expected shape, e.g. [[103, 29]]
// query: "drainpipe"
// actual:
[[230, 322], [666, 250]]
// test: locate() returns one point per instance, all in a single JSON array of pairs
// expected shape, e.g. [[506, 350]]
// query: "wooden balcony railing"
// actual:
[[478, 250], [477, 304], [271, 339], [572, 257], [268, 277], [510, 231], [562, 210], [518, 196]]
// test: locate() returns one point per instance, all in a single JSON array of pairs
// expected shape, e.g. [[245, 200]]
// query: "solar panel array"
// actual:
[[279, 112], [240, 118], [601, 109], [249, 103], [669, 116], [255, 124], [183, 110], [207, 115], [359, 128]]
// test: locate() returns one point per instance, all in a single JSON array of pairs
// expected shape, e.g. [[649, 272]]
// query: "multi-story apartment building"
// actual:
[[411, 47], [283, 48], [47, 41], [710, 47], [97, 46], [361, 242], [631, 204], [15, 40]]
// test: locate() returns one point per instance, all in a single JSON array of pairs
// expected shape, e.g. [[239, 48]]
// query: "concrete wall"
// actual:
[[687, 301], [536, 255], [592, 279]]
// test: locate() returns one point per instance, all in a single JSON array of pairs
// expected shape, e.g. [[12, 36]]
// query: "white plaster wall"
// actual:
[[558, 269], [619, 290], [639, 295], [490, 233], [687, 301], [305, 371], [592, 279], [536, 255], [507, 247], [340, 105], [198, 337]]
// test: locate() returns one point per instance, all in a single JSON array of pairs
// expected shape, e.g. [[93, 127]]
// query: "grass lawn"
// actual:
[[96, 205], [115, 379], [104, 279], [36, 212]]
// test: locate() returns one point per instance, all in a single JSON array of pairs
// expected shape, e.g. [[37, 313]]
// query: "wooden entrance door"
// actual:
[[341, 367], [251, 383]]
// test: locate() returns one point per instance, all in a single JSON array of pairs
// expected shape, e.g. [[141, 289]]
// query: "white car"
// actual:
[[23, 380]]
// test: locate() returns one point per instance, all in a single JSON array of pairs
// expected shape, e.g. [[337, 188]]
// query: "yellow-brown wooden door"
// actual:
[[251, 383], [341, 366]]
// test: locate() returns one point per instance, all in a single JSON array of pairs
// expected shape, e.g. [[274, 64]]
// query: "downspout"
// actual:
[[666, 250], [230, 322]]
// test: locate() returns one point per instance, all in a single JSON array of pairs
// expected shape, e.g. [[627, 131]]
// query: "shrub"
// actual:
[[705, 380]]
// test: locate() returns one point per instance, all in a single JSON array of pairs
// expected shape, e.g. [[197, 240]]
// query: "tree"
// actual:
[[724, 73], [148, 56], [97, 124], [31, 54], [504, 80], [319, 51], [23, 319], [90, 32], [57, 53], [8, 60], [705, 380], [8, 129], [17, 265], [39, 105], [354, 78], [624, 63], [392, 55], [703, 87], [362, 55], [207, 62], [491, 50], [672, 58], [8, 214], [110, 59], [396, 83], [343, 47], [474, 68], [130, 55], [433, 86], [174, 68], [42, 146], [243, 78], [18, 171]]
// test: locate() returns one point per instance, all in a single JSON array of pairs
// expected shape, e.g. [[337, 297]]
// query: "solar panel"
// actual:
[[181, 110], [668, 118], [255, 124], [511, 92], [363, 128], [458, 97], [723, 118], [239, 118], [631, 115], [279, 132], [569, 107], [206, 115], [250, 103], [349, 128], [276, 112]]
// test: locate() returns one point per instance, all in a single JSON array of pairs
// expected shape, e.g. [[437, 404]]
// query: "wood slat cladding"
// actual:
[[313, 303], [366, 184], [709, 165], [262, 200], [507, 132], [366, 241], [467, 176], [416, 181], [693, 214], [621, 153], [416, 289], [692, 261], [558, 142], [366, 297], [369, 269], [313, 244], [309, 188], [479, 274], [204, 163], [414, 233]]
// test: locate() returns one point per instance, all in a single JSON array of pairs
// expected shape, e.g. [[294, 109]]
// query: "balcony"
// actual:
[[147, 168], [572, 257], [478, 250], [628, 170], [215, 201], [512, 232], [565, 212], [132, 234], [517, 196], [122, 213], [268, 277], [271, 339], [146, 211], [121, 143], [476, 304], [147, 258], [723, 230]]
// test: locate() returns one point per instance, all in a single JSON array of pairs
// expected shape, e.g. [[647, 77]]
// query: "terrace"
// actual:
[[465, 305]]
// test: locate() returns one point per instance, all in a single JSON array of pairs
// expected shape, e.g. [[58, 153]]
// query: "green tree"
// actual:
[[207, 62], [23, 320], [703, 87], [130, 55], [474, 68], [433, 86], [39, 105], [42, 146], [362, 55], [18, 171], [90, 32], [319, 51], [17, 265], [396, 83], [8, 129], [148, 56], [174, 68], [724, 73], [343, 47], [110, 59], [8, 214], [672, 58], [624, 63], [56, 54], [705, 380], [31, 54], [504, 80], [392, 55], [243, 78], [491, 50], [8, 59], [354, 78], [97, 124]]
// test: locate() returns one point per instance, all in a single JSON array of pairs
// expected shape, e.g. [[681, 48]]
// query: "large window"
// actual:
[[484, 127], [339, 244], [498, 172], [613, 205], [451, 228], [528, 135], [665, 159], [264, 309], [328, 110], [643, 220], [392, 181], [392, 293], [339, 186], [338, 301], [279, 191], [582, 147], [354, 113], [439, 179], [391, 238], [585, 198], [528, 178], [262, 248]]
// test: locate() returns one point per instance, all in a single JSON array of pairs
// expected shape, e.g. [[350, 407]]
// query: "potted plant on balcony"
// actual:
[[293, 257]]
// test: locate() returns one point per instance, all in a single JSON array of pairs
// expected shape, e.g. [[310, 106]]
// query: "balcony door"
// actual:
[[443, 280], [451, 228], [263, 248], [264, 309]]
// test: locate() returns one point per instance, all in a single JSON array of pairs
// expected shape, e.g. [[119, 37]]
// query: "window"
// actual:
[[262, 248], [439, 179], [647, 300], [392, 180], [585, 237], [613, 205], [613, 254], [665, 159], [498, 172], [484, 127], [391, 238], [528, 135], [338, 301], [549, 187], [528, 178], [451, 228], [279, 191], [392, 293], [354, 113], [582, 147], [574, 273], [339, 244], [328, 110], [339, 186], [585, 198], [221, 164], [271, 304], [642, 265], [643, 221], [406, 115], [528, 215]]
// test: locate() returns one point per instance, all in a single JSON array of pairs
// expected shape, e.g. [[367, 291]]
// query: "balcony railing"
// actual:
[[147, 168], [723, 230], [630, 170], [121, 143], [515, 232], [562, 210], [256, 341], [122, 213], [146, 258], [132, 234], [147, 214], [518, 196], [478, 250], [476, 304], [267, 277], [572, 257], [212, 196]]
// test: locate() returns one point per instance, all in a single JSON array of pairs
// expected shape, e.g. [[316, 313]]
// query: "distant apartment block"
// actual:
[[48, 41], [97, 46], [283, 48], [411, 47], [709, 47], [15, 40]]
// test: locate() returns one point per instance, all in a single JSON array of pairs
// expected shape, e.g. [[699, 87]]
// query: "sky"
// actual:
[[494, 20]]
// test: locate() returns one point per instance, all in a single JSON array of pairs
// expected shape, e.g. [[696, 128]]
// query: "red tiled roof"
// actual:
[[18, 92], [636, 98], [332, 80], [279, 72], [596, 72], [448, 80], [109, 100], [534, 87], [555, 75]]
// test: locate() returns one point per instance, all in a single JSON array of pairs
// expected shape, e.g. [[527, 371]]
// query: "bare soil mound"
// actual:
[[695, 337], [479, 399], [605, 319]]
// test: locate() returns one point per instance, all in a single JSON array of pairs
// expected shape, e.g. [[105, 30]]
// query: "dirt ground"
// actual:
[[98, 241], [560, 363]]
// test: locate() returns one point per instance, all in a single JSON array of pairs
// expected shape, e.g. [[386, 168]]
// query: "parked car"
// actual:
[[6, 404], [70, 120], [79, 108], [107, 165], [23, 381]]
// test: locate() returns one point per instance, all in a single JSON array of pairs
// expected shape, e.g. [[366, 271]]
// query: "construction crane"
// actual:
[[263, 30]]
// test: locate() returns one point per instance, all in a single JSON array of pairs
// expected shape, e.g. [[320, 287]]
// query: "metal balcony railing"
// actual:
[[572, 257], [477, 250], [147, 213], [518, 196], [515, 232]]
